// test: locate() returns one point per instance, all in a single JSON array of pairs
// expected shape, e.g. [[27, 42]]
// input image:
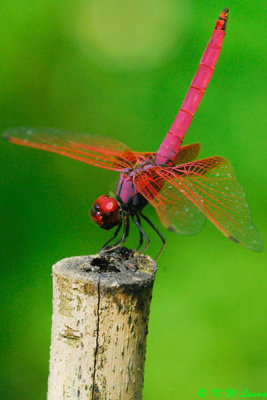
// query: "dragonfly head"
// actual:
[[106, 212]]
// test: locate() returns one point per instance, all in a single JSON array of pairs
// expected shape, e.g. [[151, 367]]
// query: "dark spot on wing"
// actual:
[[234, 239]]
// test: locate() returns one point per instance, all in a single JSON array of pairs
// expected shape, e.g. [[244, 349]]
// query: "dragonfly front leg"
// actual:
[[113, 237], [157, 232], [125, 234]]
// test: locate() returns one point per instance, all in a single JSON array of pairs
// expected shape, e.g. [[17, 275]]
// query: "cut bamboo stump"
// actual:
[[100, 316]]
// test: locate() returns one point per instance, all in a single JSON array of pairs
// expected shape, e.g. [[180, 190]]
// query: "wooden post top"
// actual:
[[121, 268]]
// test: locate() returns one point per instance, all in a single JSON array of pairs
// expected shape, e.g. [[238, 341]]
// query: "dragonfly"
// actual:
[[184, 191]]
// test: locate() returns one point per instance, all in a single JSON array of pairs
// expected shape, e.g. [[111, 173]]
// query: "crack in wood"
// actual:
[[95, 388]]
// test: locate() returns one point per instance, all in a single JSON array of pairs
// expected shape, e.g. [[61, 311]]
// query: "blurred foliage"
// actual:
[[121, 69]]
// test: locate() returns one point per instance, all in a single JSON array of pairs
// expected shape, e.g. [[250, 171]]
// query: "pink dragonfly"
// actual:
[[182, 191]]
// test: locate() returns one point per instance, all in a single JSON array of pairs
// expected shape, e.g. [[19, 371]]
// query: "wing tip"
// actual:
[[256, 246], [11, 133], [6, 136]]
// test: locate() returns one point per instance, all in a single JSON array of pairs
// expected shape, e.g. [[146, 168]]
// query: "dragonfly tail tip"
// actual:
[[222, 20]]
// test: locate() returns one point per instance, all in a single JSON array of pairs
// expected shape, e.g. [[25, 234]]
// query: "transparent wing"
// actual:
[[211, 186], [98, 151], [186, 153], [177, 213]]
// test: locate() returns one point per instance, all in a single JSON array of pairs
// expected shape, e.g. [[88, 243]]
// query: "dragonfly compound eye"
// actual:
[[106, 212]]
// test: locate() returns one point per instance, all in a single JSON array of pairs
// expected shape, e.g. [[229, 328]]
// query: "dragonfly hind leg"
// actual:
[[141, 240], [157, 232], [142, 232]]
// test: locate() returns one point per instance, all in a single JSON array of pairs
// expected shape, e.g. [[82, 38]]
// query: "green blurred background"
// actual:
[[121, 69]]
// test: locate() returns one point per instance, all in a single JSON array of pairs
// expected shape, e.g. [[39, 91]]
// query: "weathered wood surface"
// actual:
[[99, 327]]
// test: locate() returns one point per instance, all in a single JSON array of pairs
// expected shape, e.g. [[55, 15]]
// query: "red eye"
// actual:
[[96, 216], [106, 212], [99, 200], [108, 205]]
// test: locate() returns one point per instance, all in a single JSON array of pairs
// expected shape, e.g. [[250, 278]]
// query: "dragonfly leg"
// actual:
[[141, 230], [113, 237], [141, 240], [125, 233], [157, 232]]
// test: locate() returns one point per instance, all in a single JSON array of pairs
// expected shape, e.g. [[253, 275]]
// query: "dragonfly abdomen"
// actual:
[[170, 146]]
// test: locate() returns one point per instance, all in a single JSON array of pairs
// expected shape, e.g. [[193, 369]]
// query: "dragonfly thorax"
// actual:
[[106, 212], [126, 192]]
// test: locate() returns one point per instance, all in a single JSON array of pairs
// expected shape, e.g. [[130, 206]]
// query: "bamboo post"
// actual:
[[99, 326]]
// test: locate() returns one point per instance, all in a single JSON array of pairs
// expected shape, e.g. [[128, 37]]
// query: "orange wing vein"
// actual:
[[93, 150], [208, 185]]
